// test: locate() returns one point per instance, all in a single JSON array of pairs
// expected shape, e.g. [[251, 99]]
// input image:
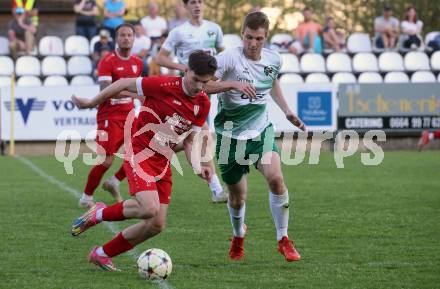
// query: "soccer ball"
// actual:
[[154, 264]]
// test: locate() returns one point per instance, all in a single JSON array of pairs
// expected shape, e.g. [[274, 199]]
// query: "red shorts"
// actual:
[[138, 183], [109, 136]]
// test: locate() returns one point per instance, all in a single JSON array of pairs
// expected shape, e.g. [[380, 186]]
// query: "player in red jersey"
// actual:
[[113, 112], [174, 108], [426, 137]]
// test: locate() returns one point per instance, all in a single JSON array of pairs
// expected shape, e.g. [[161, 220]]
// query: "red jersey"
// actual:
[[167, 116], [111, 68]]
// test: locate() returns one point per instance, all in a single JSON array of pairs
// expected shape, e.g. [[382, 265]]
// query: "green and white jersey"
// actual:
[[185, 38], [247, 118]]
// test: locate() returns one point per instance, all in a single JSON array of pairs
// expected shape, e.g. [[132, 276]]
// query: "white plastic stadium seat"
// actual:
[[82, 80], [317, 78], [423, 76], [77, 45], [27, 65], [79, 65], [435, 61], [344, 77], [29, 81], [290, 63], [51, 45], [55, 80], [281, 41], [359, 42], [396, 77], [339, 62], [53, 65], [5, 81], [291, 78], [232, 41], [416, 60], [312, 62], [4, 46], [370, 77], [430, 36], [391, 61], [365, 62], [6, 65]]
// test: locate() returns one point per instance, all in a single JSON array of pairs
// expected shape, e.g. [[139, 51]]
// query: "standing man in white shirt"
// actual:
[[154, 24], [141, 46], [195, 34]]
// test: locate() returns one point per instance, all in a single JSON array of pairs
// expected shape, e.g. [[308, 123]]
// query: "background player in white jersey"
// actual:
[[195, 34], [244, 134]]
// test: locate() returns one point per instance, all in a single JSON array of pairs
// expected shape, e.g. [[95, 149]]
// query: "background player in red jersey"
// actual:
[[114, 110], [174, 108]]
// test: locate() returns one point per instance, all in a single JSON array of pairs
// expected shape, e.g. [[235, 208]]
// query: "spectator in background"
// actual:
[[332, 38], [154, 68], [179, 18], [114, 10], [411, 29], [255, 8], [155, 26], [30, 7], [141, 46], [86, 12], [386, 28], [308, 33], [101, 48], [21, 33]]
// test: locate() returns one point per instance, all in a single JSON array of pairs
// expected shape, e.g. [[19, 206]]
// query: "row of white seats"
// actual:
[[365, 77], [356, 42], [54, 45], [54, 80], [361, 62], [50, 65], [292, 78]]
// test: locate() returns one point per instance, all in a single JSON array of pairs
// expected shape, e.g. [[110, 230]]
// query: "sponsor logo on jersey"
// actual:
[[196, 109], [119, 68], [211, 33], [177, 102], [270, 71]]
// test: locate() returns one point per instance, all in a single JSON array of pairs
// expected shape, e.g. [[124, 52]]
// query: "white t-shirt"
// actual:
[[141, 43], [382, 22], [413, 28], [249, 118], [154, 27], [186, 38]]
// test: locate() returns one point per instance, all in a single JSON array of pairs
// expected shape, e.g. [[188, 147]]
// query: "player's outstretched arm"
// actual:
[[193, 148], [213, 87], [127, 84], [163, 59], [278, 97]]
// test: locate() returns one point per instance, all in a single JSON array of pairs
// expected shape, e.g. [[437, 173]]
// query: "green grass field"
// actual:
[[358, 227]]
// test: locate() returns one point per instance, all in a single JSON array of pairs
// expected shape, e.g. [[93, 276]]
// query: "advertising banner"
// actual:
[[42, 113], [402, 106]]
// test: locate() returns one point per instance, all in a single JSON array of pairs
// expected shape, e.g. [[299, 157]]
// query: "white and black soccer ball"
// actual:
[[154, 264]]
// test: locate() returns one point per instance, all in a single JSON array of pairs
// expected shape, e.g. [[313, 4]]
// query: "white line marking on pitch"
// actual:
[[163, 284]]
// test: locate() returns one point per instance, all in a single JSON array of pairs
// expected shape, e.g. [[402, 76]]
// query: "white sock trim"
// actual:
[[99, 215], [237, 220], [100, 252], [279, 206], [86, 198]]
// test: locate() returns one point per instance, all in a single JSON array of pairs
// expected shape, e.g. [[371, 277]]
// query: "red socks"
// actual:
[[114, 212], [120, 174], [117, 246], [436, 134], [95, 176]]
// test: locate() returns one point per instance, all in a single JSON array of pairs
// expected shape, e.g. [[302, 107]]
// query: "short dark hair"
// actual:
[[202, 63], [256, 20], [124, 25]]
